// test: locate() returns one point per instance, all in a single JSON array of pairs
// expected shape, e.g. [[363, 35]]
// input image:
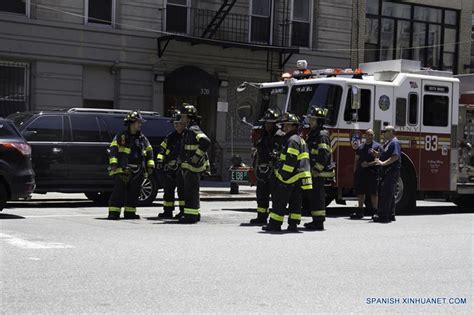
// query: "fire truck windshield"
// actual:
[[303, 97], [274, 97]]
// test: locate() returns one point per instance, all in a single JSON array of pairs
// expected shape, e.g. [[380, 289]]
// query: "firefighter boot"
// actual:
[[261, 219], [272, 226], [166, 214], [179, 215], [189, 219], [113, 215], [315, 225], [292, 227], [357, 215], [131, 216]]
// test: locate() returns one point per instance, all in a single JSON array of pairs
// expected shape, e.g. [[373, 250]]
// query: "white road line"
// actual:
[[24, 244]]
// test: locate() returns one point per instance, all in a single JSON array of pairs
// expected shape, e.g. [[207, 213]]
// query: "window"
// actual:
[[177, 16], [100, 11], [301, 23], [363, 114], [85, 129], [413, 109], [401, 112], [400, 30], [14, 87], [45, 128], [435, 110], [15, 6], [260, 20]]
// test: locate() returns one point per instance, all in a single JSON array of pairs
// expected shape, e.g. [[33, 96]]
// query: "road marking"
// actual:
[[24, 244]]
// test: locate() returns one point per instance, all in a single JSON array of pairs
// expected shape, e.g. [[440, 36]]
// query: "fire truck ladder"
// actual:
[[218, 18]]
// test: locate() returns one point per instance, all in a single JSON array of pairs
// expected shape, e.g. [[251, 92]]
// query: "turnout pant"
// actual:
[[388, 185], [170, 185], [264, 190], [126, 191], [286, 195], [317, 199], [190, 184]]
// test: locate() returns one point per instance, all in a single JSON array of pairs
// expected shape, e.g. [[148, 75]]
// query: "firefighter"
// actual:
[[390, 161], [319, 146], [167, 162], [194, 162], [265, 149], [366, 174], [131, 159], [292, 176]]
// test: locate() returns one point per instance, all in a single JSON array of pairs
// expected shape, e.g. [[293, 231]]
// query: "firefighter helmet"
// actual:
[[189, 110], [289, 118], [176, 115], [132, 117], [270, 115], [318, 112]]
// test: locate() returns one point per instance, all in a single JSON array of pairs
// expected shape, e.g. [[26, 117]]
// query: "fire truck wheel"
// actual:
[[464, 201], [405, 197]]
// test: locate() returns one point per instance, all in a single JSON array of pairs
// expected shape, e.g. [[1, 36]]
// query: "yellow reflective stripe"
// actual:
[[295, 216], [319, 167], [149, 148], [130, 209], [164, 144], [307, 187], [167, 152], [116, 171], [150, 163], [282, 157], [201, 135], [113, 160], [191, 211], [318, 213], [160, 157], [124, 150], [114, 209], [276, 217], [191, 147], [324, 146], [262, 210], [172, 163], [192, 168], [114, 143], [200, 152], [294, 178], [327, 174], [288, 168], [293, 151], [314, 151], [168, 203], [181, 202], [304, 155]]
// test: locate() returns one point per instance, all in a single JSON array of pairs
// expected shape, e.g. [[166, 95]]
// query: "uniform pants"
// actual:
[[170, 184], [190, 184], [126, 191], [317, 199], [264, 189], [388, 185], [282, 196]]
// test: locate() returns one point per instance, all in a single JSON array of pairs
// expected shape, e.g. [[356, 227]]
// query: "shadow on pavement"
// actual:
[[9, 216], [241, 210], [64, 204]]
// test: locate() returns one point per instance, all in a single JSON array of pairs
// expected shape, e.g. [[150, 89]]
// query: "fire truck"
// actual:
[[422, 104]]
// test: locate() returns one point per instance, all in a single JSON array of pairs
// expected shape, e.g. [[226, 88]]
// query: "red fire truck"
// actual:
[[422, 104]]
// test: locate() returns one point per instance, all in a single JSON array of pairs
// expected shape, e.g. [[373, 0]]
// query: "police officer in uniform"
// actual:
[[390, 160], [292, 176], [167, 162], [195, 161], [130, 160], [319, 146], [266, 147]]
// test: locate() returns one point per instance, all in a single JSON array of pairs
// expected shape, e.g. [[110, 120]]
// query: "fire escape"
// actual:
[[218, 18]]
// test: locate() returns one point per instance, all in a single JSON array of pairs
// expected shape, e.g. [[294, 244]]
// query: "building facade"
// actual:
[[156, 54]]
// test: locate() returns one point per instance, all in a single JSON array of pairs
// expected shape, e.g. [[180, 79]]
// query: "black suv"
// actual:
[[70, 149], [16, 173]]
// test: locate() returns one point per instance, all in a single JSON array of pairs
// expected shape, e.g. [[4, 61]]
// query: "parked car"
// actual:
[[70, 149], [17, 179]]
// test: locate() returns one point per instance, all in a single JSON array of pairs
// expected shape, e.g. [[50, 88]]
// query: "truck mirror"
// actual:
[[242, 87], [355, 97]]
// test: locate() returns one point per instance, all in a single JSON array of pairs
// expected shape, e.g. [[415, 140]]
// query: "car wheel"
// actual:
[[405, 192], [3, 196], [148, 191], [464, 201], [98, 197]]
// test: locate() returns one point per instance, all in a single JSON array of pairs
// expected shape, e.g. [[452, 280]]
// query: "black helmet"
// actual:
[[318, 112], [176, 115], [289, 118], [189, 110], [132, 117], [270, 115]]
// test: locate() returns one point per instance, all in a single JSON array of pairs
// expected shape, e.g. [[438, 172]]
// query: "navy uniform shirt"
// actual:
[[390, 148], [363, 151]]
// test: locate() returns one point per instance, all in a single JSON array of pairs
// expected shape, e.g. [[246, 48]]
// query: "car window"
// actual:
[[154, 129], [365, 103], [20, 119], [45, 128], [85, 129], [7, 130]]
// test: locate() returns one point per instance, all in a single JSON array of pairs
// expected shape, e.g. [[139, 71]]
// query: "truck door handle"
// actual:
[[57, 150]]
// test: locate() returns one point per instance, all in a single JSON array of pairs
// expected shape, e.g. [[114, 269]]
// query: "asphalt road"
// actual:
[[64, 257]]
